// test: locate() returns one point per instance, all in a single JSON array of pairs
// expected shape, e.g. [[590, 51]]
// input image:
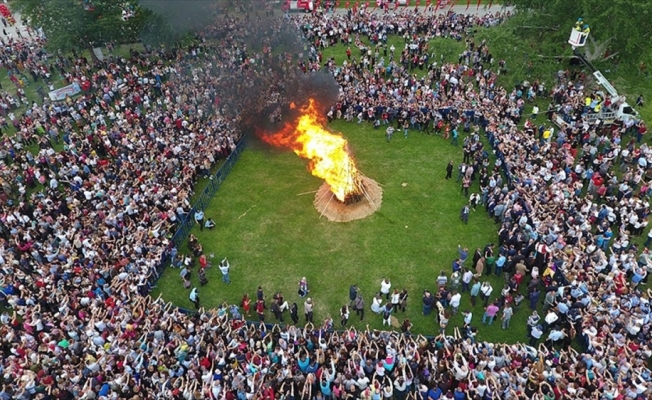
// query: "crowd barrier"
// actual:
[[186, 223]]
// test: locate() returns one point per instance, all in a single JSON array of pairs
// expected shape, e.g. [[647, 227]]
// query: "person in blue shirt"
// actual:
[[454, 136], [463, 253], [500, 263], [434, 393], [303, 362], [326, 380], [199, 218]]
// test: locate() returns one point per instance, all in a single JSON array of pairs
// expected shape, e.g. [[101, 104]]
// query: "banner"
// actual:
[[62, 93]]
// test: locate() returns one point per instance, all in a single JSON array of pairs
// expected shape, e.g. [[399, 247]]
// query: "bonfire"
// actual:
[[346, 194]]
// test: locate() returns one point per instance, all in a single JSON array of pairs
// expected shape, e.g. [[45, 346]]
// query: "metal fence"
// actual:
[[186, 223]]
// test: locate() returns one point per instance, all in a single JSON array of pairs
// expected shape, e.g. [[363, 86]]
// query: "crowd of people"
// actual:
[[117, 162]]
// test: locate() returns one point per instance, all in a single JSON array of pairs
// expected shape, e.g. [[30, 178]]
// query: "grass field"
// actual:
[[273, 235]]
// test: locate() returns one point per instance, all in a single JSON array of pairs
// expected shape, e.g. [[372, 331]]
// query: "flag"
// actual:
[[468, 4], [490, 3], [346, 5], [453, 3], [437, 4], [479, 2]]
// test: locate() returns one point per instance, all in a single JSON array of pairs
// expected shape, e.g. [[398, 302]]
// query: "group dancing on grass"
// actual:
[[85, 227]]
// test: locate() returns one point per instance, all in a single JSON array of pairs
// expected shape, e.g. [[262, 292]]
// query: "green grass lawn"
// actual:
[[273, 235]]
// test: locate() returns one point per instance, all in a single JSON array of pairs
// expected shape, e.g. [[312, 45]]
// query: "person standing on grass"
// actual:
[[389, 132], [303, 287], [260, 295], [201, 274], [308, 308], [475, 290], [455, 280], [535, 112], [294, 313], [485, 292], [385, 286], [463, 253], [467, 277], [464, 214], [395, 299], [500, 263], [194, 297], [449, 170], [224, 268], [533, 320], [199, 219], [403, 299], [428, 302], [461, 171], [507, 315], [344, 315], [456, 299], [358, 306], [387, 315], [260, 310], [466, 182], [454, 136], [468, 317], [276, 310], [245, 303], [489, 314], [535, 334], [535, 295], [353, 293]]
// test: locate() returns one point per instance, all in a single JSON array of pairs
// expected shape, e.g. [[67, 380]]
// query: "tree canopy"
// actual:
[[625, 24], [70, 24]]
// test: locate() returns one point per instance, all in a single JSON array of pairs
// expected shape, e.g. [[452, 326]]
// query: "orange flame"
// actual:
[[328, 152]]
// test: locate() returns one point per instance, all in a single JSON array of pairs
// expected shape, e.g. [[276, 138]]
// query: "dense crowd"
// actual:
[[117, 162]]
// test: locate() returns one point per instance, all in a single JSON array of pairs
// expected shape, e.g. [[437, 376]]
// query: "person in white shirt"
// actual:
[[456, 298], [385, 286], [485, 292], [466, 280]]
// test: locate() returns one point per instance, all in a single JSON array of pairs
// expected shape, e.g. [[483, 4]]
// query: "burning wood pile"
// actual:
[[346, 194]]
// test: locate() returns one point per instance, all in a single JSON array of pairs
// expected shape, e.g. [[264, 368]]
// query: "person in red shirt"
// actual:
[[260, 310], [641, 131]]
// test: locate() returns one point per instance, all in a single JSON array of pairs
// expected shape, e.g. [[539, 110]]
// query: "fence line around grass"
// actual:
[[187, 222]]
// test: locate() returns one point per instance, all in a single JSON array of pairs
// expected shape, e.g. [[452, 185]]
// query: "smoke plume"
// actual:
[[255, 59]]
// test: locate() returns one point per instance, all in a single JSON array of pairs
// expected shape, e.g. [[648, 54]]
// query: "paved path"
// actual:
[[10, 30]]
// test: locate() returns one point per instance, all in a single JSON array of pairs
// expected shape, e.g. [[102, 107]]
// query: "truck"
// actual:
[[620, 109]]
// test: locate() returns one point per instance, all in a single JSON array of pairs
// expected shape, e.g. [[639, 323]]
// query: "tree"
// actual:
[[74, 24], [624, 25]]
